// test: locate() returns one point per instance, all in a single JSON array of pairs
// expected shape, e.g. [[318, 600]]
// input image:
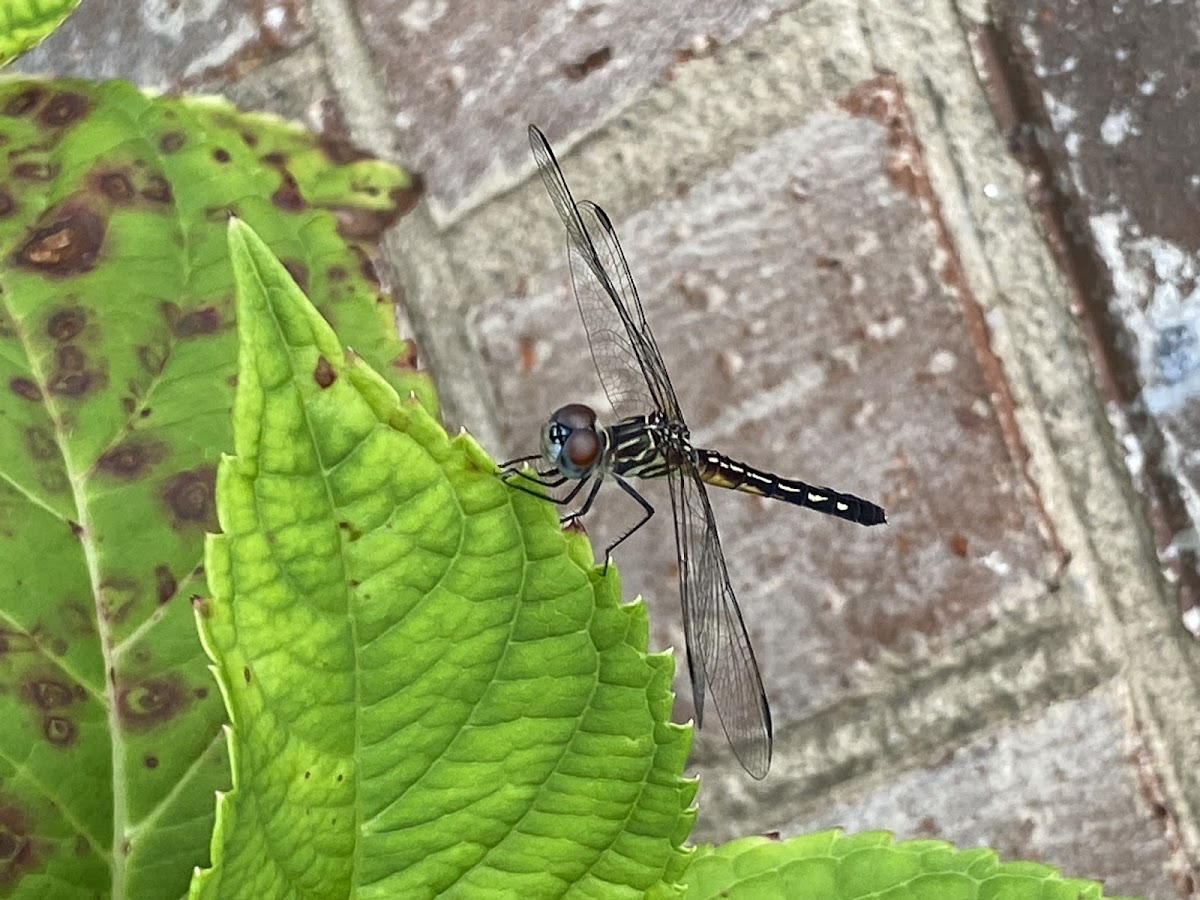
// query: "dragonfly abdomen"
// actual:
[[721, 471]]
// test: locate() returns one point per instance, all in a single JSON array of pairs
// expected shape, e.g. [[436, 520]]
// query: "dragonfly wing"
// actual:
[[603, 238], [611, 331], [617, 363], [720, 659]]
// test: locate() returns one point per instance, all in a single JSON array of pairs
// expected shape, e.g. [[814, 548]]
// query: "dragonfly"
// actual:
[[649, 438]]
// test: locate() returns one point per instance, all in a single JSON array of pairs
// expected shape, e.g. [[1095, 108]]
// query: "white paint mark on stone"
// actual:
[[942, 362], [421, 15], [1116, 127], [996, 563]]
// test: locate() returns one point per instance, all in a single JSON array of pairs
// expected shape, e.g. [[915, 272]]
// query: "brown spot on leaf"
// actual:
[[324, 374], [151, 761], [152, 701], [36, 170], [40, 443], [16, 642], [246, 673], [165, 583], [221, 155], [46, 693], [66, 324], [337, 273], [23, 102], [201, 693], [59, 731], [68, 246], [118, 596], [406, 198], [339, 150], [189, 498], [157, 190], [131, 458], [200, 321], [172, 141], [26, 389], [7, 204], [152, 359], [288, 197], [64, 108], [299, 272], [275, 159], [17, 851], [406, 361], [357, 224], [221, 214], [366, 268], [117, 187], [71, 377], [598, 59]]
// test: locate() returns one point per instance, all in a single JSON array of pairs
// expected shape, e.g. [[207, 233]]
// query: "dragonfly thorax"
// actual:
[[572, 442]]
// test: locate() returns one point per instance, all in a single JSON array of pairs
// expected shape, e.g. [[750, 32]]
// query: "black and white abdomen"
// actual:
[[721, 471]]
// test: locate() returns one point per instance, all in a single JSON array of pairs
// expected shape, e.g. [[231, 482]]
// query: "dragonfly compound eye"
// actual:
[[583, 448]]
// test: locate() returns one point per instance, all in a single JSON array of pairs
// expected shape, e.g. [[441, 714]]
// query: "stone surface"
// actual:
[[170, 45], [1118, 86], [1062, 789], [564, 66]]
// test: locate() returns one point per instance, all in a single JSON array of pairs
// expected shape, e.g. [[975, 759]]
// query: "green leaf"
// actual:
[[433, 692], [829, 865], [26, 23], [117, 366]]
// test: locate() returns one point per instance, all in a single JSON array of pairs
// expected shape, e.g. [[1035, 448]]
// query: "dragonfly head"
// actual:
[[571, 440]]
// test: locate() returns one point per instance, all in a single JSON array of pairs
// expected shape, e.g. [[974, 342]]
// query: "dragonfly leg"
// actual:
[[587, 504], [559, 501], [549, 478], [511, 465], [544, 477], [646, 507]]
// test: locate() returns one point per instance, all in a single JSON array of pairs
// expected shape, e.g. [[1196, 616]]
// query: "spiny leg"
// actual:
[[511, 465], [646, 507], [587, 504], [549, 478], [543, 477], [563, 501]]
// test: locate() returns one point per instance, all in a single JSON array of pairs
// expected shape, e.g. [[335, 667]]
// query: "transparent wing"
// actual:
[[720, 659], [611, 311], [608, 250]]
